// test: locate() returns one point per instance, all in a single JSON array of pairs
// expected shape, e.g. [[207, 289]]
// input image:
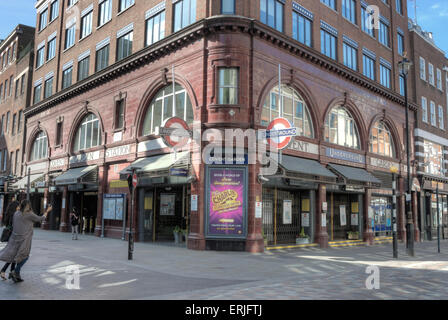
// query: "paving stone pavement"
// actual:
[[169, 272]]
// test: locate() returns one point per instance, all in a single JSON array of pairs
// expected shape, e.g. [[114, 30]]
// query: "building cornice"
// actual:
[[198, 31]]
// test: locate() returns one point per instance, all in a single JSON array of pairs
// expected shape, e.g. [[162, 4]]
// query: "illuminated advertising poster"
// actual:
[[226, 202]]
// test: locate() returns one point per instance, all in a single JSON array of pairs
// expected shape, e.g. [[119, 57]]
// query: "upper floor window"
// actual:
[[43, 19], [88, 134], [22, 85], [39, 149], [40, 57], [104, 12], [51, 52], [330, 3], [401, 81], [433, 156], [83, 68], [166, 105], [384, 34], [385, 76], [424, 110], [350, 56], [19, 122], [228, 86], [124, 46], [71, 2], [70, 36], [271, 13], [184, 13], [349, 10], [400, 43], [328, 44], [301, 28], [431, 74], [441, 120], [422, 69], [86, 24], [295, 109], [119, 114], [341, 129], [54, 10], [399, 6], [102, 58], [37, 93], [67, 76], [381, 140], [48, 90], [433, 114], [124, 4], [155, 28], [228, 6], [439, 79]]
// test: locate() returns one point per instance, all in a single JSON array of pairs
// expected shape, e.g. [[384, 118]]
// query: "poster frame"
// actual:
[[208, 169]]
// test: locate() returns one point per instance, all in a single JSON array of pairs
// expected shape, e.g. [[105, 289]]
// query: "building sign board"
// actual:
[[304, 146], [118, 151], [385, 164], [57, 163], [84, 157], [344, 155]]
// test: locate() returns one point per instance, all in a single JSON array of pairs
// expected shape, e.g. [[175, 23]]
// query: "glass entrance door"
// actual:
[[382, 221]]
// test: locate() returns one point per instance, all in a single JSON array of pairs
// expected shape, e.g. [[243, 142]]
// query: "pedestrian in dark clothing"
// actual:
[[75, 224], [7, 223], [19, 245]]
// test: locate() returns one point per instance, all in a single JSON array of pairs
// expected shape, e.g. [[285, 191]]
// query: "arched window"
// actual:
[[341, 129], [40, 147], [294, 109], [381, 140], [88, 134], [164, 106]]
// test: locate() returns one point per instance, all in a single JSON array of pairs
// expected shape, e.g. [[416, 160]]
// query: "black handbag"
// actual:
[[6, 233]]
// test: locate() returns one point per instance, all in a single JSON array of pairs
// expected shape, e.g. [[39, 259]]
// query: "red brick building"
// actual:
[[113, 86], [16, 70]]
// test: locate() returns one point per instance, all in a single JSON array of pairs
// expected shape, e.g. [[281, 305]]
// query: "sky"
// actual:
[[432, 15]]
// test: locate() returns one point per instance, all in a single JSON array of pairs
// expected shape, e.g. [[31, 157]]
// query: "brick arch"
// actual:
[[82, 113], [151, 92], [354, 112], [302, 90], [399, 152], [29, 146]]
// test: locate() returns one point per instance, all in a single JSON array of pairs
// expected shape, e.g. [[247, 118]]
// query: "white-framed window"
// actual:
[[381, 140], [341, 128], [86, 24], [328, 44], [228, 85], [441, 118], [385, 76], [401, 81], [124, 4], [329, 3], [422, 69], [155, 28], [384, 34], [104, 12], [164, 105], [431, 74], [40, 57], [37, 93], [439, 79], [368, 67], [88, 134], [433, 113], [51, 52], [70, 36], [271, 13], [227, 6], [366, 24], [124, 45], [301, 28], [350, 56], [54, 10], [349, 10], [43, 18], [399, 6], [40, 147], [102, 58], [184, 14], [400, 43], [424, 110], [48, 89], [295, 109]]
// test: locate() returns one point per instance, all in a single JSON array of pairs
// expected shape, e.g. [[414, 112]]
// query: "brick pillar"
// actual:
[[64, 225], [321, 232], [368, 233], [196, 238], [401, 215], [46, 223], [415, 217], [254, 241], [102, 188]]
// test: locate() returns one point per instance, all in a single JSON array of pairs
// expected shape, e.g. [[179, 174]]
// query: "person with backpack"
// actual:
[[7, 219], [75, 224], [19, 245]]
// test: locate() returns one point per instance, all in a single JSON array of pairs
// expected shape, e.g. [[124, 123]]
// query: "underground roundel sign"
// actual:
[[175, 132], [279, 133]]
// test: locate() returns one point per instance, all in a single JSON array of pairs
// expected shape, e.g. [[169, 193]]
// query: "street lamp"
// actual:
[[394, 171], [404, 66]]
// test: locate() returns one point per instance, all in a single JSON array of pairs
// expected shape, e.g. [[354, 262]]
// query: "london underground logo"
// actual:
[[175, 132], [279, 133]]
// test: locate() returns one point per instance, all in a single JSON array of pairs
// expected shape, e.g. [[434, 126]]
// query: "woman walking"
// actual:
[[75, 224], [7, 223], [19, 245]]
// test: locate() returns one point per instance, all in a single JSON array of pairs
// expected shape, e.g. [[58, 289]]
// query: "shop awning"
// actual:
[[355, 175], [305, 169], [22, 183], [78, 175], [160, 163]]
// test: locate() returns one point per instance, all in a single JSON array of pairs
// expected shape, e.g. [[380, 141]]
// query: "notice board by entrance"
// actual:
[[226, 202]]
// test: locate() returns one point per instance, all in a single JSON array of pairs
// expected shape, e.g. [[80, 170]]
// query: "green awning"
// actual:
[[354, 175], [161, 162], [305, 166], [76, 175], [22, 183]]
